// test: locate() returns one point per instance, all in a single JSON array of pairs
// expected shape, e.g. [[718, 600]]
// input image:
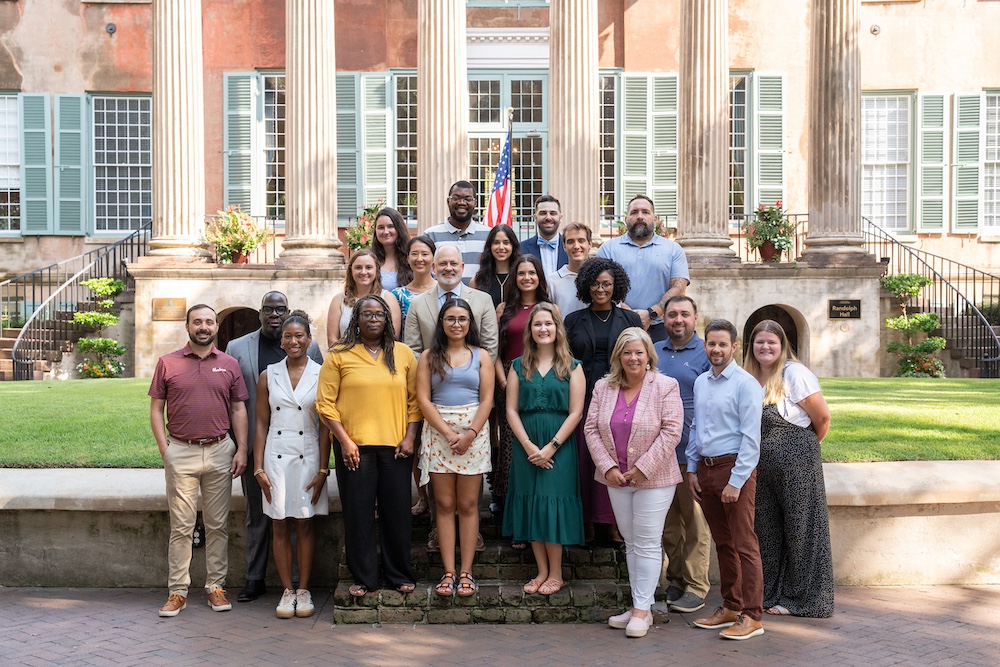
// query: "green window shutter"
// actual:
[[664, 139], [932, 170], [375, 137], [68, 175], [968, 156], [635, 137], [348, 145], [36, 165], [769, 139], [239, 138]]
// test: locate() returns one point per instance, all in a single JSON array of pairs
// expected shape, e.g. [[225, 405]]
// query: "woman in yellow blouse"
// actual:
[[367, 397]]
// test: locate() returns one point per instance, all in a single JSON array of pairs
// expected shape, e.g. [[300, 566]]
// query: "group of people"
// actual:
[[577, 386]]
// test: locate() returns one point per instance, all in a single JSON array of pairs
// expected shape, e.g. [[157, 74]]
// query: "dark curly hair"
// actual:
[[299, 317], [437, 355], [595, 267], [488, 265]]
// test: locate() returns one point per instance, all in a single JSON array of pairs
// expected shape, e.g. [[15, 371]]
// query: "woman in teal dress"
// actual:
[[545, 389]]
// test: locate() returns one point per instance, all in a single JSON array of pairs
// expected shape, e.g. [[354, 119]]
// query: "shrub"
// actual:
[[95, 320], [916, 359], [991, 311], [104, 287], [110, 368], [105, 362]]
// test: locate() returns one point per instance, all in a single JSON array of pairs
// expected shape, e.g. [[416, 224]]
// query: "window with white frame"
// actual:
[[738, 200], [406, 143], [885, 147], [274, 145], [123, 185], [991, 164], [608, 137], [10, 165]]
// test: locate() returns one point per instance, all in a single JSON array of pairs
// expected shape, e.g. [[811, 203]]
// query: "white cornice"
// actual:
[[507, 47]]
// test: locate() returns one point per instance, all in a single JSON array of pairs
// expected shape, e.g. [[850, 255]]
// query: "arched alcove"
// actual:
[[236, 322], [791, 320]]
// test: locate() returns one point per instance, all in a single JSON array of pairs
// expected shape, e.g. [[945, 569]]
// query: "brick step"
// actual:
[[496, 601]]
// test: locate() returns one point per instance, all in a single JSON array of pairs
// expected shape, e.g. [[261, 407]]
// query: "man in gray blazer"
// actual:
[[423, 314], [255, 352]]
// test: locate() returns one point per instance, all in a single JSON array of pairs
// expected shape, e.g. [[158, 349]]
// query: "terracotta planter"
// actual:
[[768, 253], [241, 258]]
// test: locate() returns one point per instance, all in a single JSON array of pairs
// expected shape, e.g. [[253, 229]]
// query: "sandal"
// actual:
[[420, 507], [532, 586], [446, 586], [551, 586], [778, 610], [358, 590], [518, 545], [406, 588], [466, 585]]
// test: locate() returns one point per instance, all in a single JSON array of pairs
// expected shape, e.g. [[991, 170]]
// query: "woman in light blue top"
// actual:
[[455, 393], [391, 239]]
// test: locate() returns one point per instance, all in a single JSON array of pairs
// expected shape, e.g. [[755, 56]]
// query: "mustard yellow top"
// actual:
[[373, 405]]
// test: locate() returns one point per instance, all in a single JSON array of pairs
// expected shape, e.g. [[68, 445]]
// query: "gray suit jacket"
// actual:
[[244, 350], [422, 318]]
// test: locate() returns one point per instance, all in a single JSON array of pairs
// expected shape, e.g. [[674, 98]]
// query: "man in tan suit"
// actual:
[[423, 314]]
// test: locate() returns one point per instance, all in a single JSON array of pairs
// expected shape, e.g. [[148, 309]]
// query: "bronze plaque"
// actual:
[[845, 309], [169, 310]]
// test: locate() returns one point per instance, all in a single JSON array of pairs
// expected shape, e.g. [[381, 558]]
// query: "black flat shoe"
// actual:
[[253, 590]]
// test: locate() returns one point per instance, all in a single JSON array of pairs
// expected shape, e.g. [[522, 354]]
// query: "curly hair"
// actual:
[[437, 354], [351, 286], [403, 272], [352, 336], [512, 295], [487, 264], [588, 276]]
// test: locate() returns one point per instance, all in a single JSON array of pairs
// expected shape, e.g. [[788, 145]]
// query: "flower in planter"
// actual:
[[770, 223], [361, 234], [234, 232]]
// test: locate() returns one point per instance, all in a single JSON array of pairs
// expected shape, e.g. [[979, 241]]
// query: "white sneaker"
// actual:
[[303, 603], [638, 627], [620, 622], [286, 607]]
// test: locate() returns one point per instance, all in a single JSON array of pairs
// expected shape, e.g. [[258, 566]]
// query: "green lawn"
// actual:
[[105, 423]]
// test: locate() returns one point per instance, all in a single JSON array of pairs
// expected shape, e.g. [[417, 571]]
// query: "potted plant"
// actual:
[[361, 234], [769, 231], [235, 235]]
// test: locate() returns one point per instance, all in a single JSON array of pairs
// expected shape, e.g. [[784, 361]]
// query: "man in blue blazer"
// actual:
[[255, 352], [547, 244]]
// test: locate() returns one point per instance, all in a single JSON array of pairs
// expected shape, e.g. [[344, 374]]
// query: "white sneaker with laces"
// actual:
[[286, 606], [303, 603]]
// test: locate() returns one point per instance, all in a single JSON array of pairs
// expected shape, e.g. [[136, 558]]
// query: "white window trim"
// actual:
[[911, 194]]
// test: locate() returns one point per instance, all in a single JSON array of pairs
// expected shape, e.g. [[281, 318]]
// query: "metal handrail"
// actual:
[[962, 322], [49, 329]]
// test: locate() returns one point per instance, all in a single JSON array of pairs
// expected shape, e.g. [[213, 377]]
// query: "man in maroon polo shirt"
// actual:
[[203, 391]]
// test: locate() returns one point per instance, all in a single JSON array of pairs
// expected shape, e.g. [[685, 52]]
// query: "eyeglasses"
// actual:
[[456, 320], [274, 310], [380, 316], [463, 200], [603, 286]]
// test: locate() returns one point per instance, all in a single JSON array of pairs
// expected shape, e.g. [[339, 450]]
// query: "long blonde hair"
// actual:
[[616, 376], [563, 362], [774, 383]]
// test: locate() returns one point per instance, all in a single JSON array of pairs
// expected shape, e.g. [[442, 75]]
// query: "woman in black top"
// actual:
[[499, 254], [601, 284]]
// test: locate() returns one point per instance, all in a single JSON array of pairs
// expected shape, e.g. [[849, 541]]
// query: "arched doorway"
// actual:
[[783, 317], [236, 322]]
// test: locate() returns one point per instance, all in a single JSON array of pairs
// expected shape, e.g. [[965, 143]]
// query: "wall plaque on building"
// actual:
[[845, 309], [169, 310]]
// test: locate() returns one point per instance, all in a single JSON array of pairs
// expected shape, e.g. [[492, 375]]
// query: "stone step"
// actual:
[[496, 601]]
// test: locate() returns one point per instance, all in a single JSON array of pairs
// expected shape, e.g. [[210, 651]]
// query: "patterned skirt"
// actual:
[[435, 454]]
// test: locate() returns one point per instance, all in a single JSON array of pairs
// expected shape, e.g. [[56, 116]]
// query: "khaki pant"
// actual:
[[189, 468], [687, 543]]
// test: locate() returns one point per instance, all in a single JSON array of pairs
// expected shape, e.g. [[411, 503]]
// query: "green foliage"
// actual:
[[991, 311], [920, 366], [914, 324], [109, 368], [769, 224], [105, 362], [95, 320], [361, 234], [104, 287], [102, 346], [916, 359], [11, 320], [926, 346], [904, 286], [233, 231]]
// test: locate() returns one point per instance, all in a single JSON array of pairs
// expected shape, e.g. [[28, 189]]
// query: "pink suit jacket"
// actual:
[[656, 430]]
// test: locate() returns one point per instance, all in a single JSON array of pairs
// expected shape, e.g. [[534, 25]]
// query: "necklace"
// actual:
[[373, 351], [503, 283], [602, 319]]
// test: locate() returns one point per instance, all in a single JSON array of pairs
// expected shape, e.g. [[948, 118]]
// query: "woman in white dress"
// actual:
[[291, 459]]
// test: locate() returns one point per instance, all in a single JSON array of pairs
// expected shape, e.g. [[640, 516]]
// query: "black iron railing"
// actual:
[[48, 329], [956, 294]]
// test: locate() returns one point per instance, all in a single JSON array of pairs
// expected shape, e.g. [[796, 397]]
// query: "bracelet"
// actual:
[[324, 471], [474, 431], [258, 471]]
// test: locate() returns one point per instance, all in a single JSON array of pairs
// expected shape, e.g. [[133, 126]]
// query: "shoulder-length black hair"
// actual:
[[487, 264], [512, 295]]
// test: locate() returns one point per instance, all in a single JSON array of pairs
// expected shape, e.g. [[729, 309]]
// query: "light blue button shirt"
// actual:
[[650, 267], [727, 411]]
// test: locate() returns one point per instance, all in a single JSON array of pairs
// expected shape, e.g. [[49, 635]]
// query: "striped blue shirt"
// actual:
[[470, 242]]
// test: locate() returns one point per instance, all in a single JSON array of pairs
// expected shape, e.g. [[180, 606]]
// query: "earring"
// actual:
[[357, 330]]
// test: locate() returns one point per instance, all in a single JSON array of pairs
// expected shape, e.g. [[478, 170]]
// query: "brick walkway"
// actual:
[[933, 625]]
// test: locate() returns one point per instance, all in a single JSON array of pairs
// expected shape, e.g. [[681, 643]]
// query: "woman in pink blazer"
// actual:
[[632, 428]]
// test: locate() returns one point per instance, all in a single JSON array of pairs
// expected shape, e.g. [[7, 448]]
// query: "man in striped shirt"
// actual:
[[460, 229]]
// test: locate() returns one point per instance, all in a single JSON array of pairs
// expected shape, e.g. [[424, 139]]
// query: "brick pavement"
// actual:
[[873, 627]]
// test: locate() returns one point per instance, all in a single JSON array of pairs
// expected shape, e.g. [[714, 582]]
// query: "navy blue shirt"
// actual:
[[684, 365]]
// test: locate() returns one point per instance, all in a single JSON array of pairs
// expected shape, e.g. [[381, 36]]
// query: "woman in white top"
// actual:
[[291, 459], [791, 519], [363, 278]]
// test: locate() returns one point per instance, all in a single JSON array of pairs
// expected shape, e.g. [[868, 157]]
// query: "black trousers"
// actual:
[[379, 476]]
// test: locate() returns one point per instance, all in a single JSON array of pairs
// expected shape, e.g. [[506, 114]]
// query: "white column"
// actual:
[[835, 235], [310, 137], [703, 132], [442, 106], [574, 139], [178, 131]]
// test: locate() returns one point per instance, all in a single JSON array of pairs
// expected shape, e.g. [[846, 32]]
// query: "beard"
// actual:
[[461, 218], [640, 230], [193, 337]]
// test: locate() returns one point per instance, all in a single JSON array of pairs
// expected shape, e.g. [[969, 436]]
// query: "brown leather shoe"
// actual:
[[744, 628], [175, 603], [722, 618], [217, 600]]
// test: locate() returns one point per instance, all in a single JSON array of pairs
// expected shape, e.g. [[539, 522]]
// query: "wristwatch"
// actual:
[[325, 472], [652, 313]]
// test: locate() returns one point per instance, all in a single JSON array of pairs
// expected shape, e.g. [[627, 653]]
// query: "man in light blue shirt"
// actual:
[[656, 266], [722, 454]]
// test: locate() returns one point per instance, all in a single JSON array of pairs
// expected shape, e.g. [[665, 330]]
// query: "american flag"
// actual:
[[498, 209]]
